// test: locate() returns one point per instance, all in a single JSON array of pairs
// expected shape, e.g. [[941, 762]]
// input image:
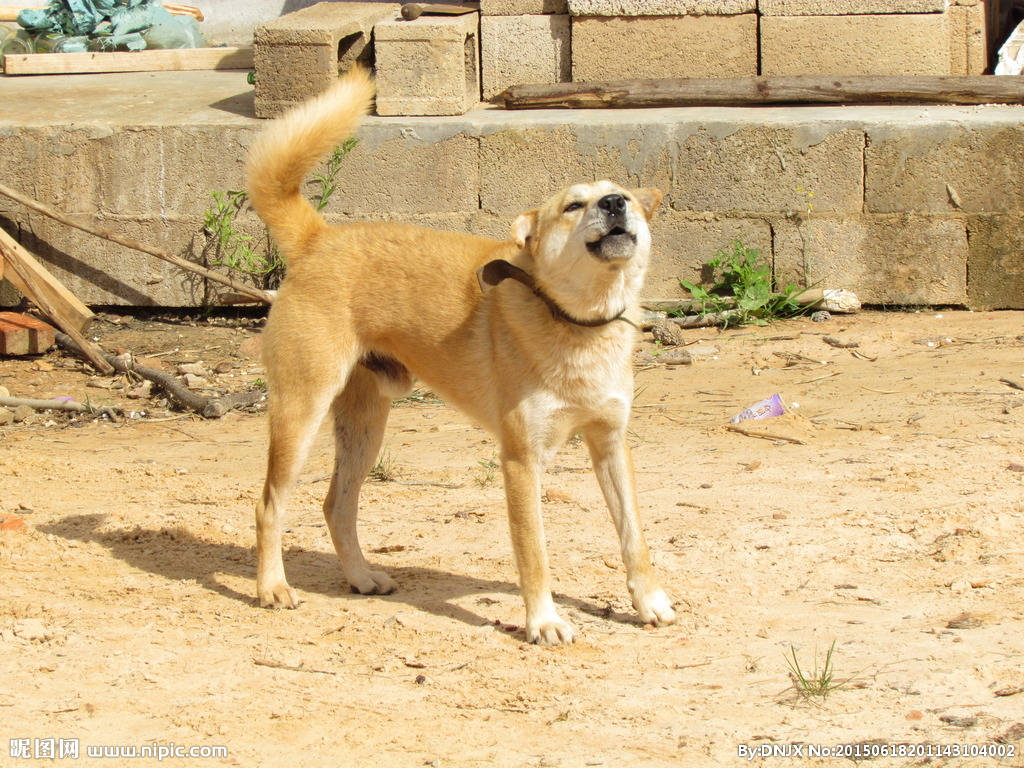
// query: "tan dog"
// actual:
[[533, 359]]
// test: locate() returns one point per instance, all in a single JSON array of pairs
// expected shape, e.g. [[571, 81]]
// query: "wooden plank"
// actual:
[[20, 261], [40, 286], [789, 89], [175, 59], [10, 12]]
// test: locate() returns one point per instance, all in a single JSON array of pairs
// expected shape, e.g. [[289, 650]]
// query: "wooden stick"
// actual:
[[171, 59], [208, 407], [42, 284], [135, 245], [56, 405], [765, 435], [788, 89]]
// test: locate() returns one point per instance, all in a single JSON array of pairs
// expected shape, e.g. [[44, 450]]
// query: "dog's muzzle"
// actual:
[[618, 242]]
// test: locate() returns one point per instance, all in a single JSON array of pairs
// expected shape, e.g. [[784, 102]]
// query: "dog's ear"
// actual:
[[524, 227], [649, 199]]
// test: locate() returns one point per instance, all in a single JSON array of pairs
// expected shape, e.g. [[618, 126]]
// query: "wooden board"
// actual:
[[789, 89], [42, 287], [127, 61]]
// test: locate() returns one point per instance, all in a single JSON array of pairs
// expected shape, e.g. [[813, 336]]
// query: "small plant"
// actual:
[[228, 247], [820, 683], [385, 470], [743, 292], [486, 474]]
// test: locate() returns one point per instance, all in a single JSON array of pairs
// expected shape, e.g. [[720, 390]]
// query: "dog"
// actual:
[[532, 338]]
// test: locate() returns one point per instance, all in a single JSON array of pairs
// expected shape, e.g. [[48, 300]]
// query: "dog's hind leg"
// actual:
[[298, 403], [360, 414]]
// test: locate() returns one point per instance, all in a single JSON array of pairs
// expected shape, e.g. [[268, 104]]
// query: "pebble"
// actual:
[[6, 416], [23, 412], [193, 381], [196, 369], [821, 316], [668, 334], [5, 392], [32, 630]]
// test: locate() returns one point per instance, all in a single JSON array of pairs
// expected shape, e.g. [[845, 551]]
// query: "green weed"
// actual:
[[385, 470], [743, 289], [820, 683], [486, 474]]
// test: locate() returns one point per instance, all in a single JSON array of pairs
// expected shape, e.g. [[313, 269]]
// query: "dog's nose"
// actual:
[[612, 204]]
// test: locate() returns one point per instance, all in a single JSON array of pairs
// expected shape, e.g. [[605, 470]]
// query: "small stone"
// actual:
[[675, 357], [32, 630], [252, 347], [192, 381], [196, 369], [23, 412], [702, 351], [4, 392], [961, 586], [224, 366], [150, 362], [140, 392], [12, 524], [821, 316], [6, 416], [667, 333], [42, 365]]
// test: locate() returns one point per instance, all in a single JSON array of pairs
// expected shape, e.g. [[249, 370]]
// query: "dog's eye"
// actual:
[[572, 207]]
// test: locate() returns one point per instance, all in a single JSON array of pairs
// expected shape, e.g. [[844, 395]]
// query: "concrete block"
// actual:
[[111, 274], [880, 44], [661, 7], [524, 49], [521, 7], [24, 335], [682, 243], [664, 46], [968, 40], [521, 167], [995, 266], [299, 54], [393, 169], [846, 7], [883, 259], [428, 66], [945, 168], [756, 168], [60, 165]]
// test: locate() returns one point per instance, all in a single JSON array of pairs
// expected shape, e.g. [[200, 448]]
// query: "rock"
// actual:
[[225, 366], [667, 334], [4, 392], [702, 351], [13, 524], [194, 381], [252, 347], [821, 316], [675, 357], [32, 630], [151, 362], [23, 412], [196, 369], [6, 416], [140, 392]]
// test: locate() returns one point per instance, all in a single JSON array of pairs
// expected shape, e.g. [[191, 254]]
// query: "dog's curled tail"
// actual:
[[288, 149]]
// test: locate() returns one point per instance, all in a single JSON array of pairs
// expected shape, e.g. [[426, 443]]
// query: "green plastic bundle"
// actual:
[[108, 25]]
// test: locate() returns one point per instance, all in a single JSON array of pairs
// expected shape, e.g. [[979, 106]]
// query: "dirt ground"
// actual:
[[894, 529]]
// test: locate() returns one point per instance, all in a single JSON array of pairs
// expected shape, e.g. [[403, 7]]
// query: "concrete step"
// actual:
[[904, 205]]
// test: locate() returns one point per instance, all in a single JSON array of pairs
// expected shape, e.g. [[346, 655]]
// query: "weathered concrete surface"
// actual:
[[660, 7], [846, 7], [521, 7], [893, 260], [880, 44], [995, 263], [626, 47], [945, 167], [428, 66], [298, 55], [524, 49], [865, 187]]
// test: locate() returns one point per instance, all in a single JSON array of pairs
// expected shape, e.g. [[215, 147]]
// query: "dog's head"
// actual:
[[588, 236]]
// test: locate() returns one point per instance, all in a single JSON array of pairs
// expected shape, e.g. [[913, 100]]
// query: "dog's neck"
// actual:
[[494, 272]]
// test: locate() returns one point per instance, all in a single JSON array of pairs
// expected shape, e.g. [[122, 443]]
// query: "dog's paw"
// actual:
[[372, 583], [278, 595], [655, 608], [549, 630]]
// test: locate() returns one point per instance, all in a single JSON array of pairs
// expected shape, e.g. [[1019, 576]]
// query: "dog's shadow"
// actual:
[[177, 554]]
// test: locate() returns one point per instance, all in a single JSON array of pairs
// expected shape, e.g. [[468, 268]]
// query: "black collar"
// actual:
[[493, 272]]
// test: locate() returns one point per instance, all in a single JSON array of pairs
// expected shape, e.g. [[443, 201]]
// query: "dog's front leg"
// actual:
[[522, 489], [613, 465]]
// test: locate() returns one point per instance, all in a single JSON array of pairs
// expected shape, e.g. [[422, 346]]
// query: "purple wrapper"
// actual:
[[763, 410]]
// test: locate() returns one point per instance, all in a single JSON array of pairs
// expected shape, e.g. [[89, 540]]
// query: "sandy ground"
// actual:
[[894, 530]]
